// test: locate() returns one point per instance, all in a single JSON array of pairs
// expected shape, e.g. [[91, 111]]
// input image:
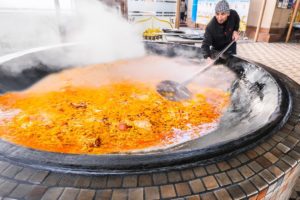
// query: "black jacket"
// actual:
[[220, 35]]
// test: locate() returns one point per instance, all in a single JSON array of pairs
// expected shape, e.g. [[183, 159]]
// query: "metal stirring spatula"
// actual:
[[175, 91]]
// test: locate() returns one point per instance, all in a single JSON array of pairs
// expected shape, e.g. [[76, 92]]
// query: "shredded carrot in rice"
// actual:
[[119, 117]]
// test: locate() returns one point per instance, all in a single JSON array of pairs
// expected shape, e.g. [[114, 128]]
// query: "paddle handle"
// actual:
[[208, 65]]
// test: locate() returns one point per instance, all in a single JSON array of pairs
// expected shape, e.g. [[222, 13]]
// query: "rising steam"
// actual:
[[105, 34]]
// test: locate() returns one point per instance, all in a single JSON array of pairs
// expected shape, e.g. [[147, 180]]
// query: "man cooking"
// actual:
[[221, 30]]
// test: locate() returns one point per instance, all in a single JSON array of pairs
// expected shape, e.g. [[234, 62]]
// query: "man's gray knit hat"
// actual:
[[222, 6]]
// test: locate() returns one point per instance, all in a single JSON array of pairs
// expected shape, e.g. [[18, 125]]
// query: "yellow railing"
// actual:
[[154, 18]]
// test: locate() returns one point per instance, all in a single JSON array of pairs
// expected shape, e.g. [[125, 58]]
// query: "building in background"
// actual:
[[205, 11], [275, 19]]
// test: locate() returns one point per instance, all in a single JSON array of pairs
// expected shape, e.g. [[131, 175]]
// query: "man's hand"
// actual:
[[235, 36], [208, 59]]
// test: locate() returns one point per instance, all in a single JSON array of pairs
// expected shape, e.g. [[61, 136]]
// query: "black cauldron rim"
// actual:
[[127, 163]]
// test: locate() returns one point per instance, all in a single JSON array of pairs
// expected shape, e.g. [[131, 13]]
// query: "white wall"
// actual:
[[254, 11], [280, 18]]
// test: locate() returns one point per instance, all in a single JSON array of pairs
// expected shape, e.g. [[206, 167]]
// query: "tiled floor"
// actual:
[[282, 57]]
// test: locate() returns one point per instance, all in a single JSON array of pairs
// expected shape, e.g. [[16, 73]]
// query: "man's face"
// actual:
[[222, 17]]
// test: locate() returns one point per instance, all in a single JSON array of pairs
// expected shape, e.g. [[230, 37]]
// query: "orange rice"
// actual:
[[119, 117]]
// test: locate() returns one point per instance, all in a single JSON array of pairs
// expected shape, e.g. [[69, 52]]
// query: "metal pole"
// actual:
[[177, 20], [58, 18], [292, 21], [261, 15]]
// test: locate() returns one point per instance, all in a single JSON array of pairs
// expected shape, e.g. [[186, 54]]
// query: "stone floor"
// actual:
[[282, 57]]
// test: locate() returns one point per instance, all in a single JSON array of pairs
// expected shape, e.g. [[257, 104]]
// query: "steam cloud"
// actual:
[[107, 36]]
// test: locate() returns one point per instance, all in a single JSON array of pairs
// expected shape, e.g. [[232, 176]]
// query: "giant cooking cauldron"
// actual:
[[260, 105]]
